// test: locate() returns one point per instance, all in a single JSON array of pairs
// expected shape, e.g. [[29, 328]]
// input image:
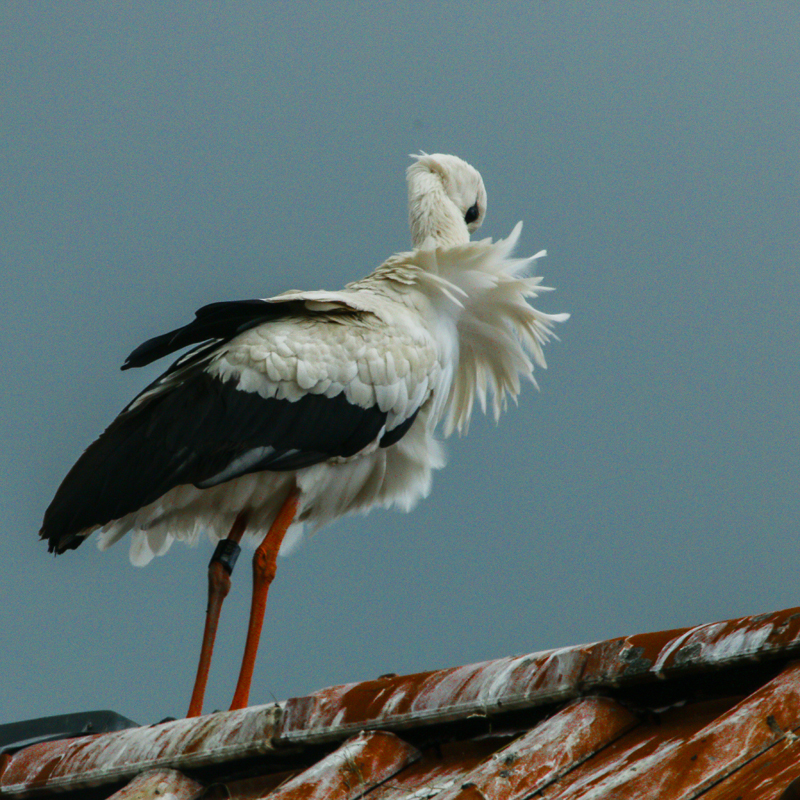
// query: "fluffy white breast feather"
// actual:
[[427, 333]]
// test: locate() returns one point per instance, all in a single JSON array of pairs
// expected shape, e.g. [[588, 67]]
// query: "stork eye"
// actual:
[[472, 214]]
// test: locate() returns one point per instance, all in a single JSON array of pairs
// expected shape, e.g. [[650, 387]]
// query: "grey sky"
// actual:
[[159, 157]]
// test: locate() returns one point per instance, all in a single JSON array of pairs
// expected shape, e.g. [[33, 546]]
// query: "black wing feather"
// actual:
[[217, 321], [194, 433]]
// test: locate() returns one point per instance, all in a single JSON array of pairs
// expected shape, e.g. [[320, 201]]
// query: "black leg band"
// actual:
[[226, 553]]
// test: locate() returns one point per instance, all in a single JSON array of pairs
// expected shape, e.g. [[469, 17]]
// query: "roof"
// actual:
[[710, 711]]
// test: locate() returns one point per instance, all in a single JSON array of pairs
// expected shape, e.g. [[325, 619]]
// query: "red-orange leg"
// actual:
[[264, 568], [219, 584]]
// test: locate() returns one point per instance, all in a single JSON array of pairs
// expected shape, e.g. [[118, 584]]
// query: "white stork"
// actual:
[[307, 406]]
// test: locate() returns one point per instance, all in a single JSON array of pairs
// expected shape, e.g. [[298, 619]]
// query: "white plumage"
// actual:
[[428, 333]]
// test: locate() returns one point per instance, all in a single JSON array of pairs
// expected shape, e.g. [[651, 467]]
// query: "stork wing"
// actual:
[[198, 424]]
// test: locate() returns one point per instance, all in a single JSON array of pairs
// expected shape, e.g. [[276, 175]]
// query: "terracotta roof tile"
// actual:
[[352, 770], [709, 711]]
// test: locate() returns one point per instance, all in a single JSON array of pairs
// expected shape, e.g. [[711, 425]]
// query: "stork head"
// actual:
[[446, 200]]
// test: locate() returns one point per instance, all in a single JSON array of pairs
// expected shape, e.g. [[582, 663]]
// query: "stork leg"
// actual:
[[219, 584], [264, 568]]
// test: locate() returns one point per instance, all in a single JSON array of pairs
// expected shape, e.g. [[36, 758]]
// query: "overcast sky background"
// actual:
[[157, 157]]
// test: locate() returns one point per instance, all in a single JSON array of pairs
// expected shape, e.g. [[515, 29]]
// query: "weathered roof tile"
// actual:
[[710, 710]]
